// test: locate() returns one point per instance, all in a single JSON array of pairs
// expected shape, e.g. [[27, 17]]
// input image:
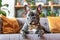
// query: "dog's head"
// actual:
[[33, 16]]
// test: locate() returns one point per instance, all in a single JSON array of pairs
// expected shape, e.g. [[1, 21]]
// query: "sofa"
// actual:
[[21, 21]]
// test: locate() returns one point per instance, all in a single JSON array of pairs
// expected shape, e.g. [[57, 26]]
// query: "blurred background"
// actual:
[[49, 7]]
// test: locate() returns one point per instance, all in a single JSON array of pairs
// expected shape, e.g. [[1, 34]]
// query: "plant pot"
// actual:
[[18, 3], [50, 3]]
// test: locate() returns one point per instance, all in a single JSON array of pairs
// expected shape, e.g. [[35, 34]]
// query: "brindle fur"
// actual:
[[40, 29]]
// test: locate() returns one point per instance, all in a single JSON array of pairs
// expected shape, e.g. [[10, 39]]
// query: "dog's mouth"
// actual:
[[34, 22]]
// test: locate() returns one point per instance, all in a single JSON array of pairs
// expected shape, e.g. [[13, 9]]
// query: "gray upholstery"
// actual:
[[43, 21]]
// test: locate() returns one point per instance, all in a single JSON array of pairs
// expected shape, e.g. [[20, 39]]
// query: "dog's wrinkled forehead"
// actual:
[[32, 13]]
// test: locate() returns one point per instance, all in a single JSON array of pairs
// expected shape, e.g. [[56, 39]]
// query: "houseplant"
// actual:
[[42, 15], [1, 11], [30, 2], [50, 12]]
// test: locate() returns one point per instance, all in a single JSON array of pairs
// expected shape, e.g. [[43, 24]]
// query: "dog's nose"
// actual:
[[30, 23], [33, 17]]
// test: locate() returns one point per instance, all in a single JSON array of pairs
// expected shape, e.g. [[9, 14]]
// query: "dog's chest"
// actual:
[[32, 28]]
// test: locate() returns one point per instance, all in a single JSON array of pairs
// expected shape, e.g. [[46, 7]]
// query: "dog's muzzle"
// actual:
[[33, 20]]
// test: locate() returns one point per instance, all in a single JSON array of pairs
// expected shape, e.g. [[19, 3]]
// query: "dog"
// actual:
[[33, 22]]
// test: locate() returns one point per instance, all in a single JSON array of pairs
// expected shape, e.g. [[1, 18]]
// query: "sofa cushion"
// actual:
[[54, 24], [10, 25]]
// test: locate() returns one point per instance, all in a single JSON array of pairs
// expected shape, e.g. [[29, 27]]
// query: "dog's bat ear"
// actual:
[[26, 7], [39, 9]]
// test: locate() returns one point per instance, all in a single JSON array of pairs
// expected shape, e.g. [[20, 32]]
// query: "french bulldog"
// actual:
[[33, 22]]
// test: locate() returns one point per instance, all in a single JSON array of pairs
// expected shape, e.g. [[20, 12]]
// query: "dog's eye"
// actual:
[[32, 14], [27, 18]]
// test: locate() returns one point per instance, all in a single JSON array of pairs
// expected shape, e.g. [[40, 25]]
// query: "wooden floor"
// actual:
[[30, 37]]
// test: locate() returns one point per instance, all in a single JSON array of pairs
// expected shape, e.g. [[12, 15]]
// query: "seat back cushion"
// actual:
[[54, 24]]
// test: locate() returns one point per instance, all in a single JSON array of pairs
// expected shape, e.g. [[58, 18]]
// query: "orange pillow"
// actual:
[[10, 25], [54, 24]]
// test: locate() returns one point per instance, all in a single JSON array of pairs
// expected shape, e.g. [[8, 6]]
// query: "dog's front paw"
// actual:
[[40, 33], [24, 35]]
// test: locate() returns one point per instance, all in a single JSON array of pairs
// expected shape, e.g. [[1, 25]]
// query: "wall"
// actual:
[[10, 8]]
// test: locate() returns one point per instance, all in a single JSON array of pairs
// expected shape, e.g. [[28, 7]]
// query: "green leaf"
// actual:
[[5, 5], [0, 3], [49, 0], [0, 0], [3, 12], [6, 9], [30, 2], [42, 15]]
